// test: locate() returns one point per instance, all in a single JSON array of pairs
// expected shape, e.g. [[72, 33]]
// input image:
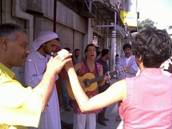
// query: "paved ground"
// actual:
[[111, 114], [67, 117]]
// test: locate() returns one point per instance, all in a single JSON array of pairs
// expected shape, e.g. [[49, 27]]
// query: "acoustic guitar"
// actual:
[[89, 82]]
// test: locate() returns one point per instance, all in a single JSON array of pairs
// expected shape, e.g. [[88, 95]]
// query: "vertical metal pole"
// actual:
[[73, 46], [55, 14], [113, 43], [137, 14]]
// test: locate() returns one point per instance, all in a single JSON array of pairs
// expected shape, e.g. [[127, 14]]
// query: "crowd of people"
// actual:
[[142, 87]]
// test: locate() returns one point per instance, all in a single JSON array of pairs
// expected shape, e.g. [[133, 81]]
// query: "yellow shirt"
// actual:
[[19, 107]]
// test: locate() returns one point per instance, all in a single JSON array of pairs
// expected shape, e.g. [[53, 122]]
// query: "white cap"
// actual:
[[42, 38]]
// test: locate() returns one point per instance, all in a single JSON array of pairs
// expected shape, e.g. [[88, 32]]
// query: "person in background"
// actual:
[[98, 52], [126, 65], [105, 56], [46, 44], [146, 98], [88, 65], [76, 56], [63, 78], [21, 107]]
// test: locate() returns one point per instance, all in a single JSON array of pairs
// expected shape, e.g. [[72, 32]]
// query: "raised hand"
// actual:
[[107, 77], [56, 63]]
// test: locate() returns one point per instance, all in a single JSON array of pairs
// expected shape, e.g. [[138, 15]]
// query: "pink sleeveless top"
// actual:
[[149, 101]]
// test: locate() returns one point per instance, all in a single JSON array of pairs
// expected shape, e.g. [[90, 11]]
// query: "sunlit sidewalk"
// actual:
[[67, 118]]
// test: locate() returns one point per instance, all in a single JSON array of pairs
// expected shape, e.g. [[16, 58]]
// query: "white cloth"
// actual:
[[126, 62], [34, 69], [120, 125], [44, 37], [84, 121], [165, 66]]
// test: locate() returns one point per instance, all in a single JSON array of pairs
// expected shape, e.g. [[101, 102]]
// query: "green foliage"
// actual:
[[146, 24]]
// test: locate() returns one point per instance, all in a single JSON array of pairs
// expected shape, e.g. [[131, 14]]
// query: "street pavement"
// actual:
[[67, 118]]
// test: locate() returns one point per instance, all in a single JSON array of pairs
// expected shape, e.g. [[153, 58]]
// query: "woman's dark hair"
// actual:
[[86, 49], [152, 46]]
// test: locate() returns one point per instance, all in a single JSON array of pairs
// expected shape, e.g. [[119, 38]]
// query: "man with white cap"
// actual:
[[46, 43]]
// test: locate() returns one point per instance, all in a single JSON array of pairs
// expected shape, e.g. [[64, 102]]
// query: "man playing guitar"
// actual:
[[88, 65]]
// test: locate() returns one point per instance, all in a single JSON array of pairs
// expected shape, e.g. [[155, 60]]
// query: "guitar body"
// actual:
[[92, 87], [91, 84], [88, 76]]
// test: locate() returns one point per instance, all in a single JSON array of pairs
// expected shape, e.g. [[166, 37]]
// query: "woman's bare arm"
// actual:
[[114, 93]]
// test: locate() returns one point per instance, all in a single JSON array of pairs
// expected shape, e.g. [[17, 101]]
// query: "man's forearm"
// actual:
[[45, 87]]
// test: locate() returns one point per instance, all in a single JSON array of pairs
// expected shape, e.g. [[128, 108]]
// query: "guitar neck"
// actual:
[[99, 78], [102, 77], [96, 79]]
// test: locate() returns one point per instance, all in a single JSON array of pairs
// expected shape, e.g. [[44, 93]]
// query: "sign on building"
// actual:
[[128, 12]]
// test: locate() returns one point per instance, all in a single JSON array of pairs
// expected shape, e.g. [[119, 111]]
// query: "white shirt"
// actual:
[[124, 62], [34, 70]]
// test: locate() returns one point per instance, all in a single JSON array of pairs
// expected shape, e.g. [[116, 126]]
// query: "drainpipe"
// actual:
[[1, 10], [19, 13], [55, 15]]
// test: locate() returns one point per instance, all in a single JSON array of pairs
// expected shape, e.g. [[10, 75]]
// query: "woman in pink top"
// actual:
[[147, 98]]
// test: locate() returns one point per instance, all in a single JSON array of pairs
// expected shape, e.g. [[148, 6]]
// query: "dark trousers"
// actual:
[[101, 115]]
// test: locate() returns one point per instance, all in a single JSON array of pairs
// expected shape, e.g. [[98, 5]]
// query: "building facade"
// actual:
[[78, 22]]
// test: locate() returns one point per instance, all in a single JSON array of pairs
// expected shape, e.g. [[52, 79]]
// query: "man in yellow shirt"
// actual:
[[21, 107]]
